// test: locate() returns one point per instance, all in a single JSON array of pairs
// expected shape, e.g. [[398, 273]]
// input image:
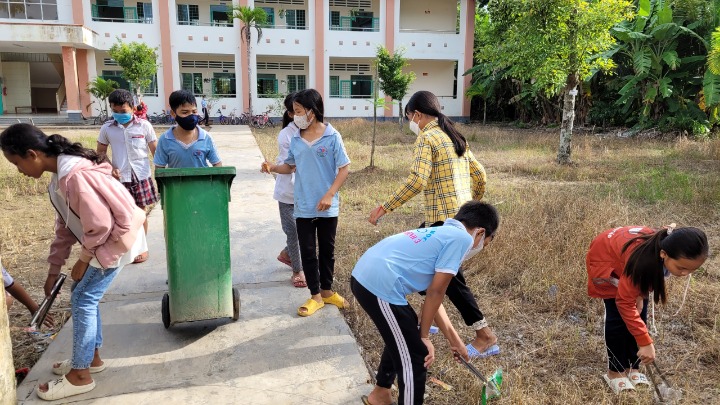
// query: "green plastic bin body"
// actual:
[[197, 240]]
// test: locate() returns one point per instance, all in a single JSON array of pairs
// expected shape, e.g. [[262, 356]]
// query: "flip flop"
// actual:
[[638, 378], [284, 260], [475, 354], [297, 282], [61, 388], [311, 306], [335, 299], [141, 258], [618, 385], [66, 365], [366, 401]]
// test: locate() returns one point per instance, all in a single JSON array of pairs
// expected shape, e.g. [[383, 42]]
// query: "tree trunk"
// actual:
[[7, 370], [400, 114], [248, 38], [568, 119], [484, 110]]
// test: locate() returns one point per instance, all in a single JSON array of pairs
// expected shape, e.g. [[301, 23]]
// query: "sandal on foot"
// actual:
[[310, 306], [366, 401], [297, 281], [337, 300], [65, 366], [638, 378], [61, 388], [476, 354], [141, 258], [284, 258], [617, 385]]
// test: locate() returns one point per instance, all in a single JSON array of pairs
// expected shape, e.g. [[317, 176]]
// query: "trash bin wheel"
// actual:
[[236, 304], [166, 310]]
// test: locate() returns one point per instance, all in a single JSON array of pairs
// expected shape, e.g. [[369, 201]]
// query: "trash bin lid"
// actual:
[[195, 171]]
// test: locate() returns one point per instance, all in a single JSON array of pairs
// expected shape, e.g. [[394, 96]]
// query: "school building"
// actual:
[[51, 49]]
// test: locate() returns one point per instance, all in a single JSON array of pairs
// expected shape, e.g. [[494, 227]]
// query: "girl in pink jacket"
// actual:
[[94, 209]]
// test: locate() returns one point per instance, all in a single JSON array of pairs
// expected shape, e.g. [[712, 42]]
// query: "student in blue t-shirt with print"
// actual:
[[185, 145], [424, 259], [321, 165]]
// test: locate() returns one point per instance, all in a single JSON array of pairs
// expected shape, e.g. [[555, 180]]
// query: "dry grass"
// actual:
[[531, 283]]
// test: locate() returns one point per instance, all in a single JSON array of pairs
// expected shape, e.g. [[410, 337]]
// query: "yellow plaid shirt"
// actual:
[[448, 181]]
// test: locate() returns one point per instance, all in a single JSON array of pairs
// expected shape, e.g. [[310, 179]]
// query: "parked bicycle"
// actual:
[[161, 118], [222, 119], [262, 120]]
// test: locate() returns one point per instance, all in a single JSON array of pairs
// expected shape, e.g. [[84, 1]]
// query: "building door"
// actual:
[[362, 21], [17, 82]]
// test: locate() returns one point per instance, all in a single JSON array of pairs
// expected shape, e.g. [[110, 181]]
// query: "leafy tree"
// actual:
[[553, 45], [393, 82], [251, 18], [101, 89], [138, 61]]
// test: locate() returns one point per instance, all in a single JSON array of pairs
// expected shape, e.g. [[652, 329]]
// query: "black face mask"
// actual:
[[189, 122]]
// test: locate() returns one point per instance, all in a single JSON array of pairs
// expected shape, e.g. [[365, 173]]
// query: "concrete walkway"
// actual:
[[270, 356]]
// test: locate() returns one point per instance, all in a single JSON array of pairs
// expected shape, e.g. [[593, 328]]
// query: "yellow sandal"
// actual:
[[335, 299], [311, 306]]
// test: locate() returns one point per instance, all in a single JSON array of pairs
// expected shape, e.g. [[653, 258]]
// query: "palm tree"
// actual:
[[250, 18], [101, 89]]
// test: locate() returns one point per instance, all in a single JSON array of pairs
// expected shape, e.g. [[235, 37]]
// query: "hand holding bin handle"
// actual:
[[42, 312]]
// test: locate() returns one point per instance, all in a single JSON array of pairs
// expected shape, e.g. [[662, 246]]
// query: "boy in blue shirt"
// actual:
[[418, 260], [185, 145]]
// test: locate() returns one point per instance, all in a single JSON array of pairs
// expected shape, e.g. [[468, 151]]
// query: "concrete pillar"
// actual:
[[321, 22], [72, 88], [241, 74], [467, 63], [390, 28], [7, 370], [83, 79], [78, 12], [166, 51]]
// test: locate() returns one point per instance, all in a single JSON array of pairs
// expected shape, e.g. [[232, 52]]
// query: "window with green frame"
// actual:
[[266, 85], [223, 84], [270, 12], [334, 18], [193, 82], [334, 86], [296, 83], [295, 19]]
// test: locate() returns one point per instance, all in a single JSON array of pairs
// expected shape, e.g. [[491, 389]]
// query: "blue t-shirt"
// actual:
[[173, 154], [317, 165], [406, 263]]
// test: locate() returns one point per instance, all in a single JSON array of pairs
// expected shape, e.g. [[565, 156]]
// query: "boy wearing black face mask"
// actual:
[[185, 145]]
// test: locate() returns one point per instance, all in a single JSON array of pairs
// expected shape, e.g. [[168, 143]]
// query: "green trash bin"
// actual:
[[197, 241]]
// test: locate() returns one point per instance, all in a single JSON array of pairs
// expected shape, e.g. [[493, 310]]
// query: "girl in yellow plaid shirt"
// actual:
[[447, 172]]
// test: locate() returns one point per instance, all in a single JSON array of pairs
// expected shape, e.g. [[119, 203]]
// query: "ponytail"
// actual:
[[288, 103], [426, 103], [645, 266], [18, 139]]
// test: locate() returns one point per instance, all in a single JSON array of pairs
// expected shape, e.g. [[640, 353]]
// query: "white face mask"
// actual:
[[414, 126], [475, 250], [302, 121]]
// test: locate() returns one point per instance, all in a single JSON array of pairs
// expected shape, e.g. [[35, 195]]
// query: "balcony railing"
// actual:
[[283, 27], [217, 23], [351, 24], [129, 15]]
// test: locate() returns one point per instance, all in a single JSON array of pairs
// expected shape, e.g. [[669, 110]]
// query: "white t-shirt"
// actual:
[[7, 278], [406, 263], [284, 183], [129, 147]]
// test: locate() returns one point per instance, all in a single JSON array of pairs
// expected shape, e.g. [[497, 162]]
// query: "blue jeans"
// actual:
[[85, 301]]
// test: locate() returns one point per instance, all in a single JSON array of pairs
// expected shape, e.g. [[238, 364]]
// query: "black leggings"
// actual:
[[404, 353], [621, 345], [460, 295], [318, 267]]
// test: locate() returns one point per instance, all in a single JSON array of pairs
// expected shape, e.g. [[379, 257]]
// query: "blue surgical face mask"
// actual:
[[122, 118]]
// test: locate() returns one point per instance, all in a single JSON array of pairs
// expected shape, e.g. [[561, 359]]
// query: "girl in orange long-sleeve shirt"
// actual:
[[624, 265]]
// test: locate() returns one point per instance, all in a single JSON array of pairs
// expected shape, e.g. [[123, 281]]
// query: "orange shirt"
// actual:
[[605, 263]]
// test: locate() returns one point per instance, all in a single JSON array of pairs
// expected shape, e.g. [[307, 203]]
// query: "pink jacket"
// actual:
[[110, 219]]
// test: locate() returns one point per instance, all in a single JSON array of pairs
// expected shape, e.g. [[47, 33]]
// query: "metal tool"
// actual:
[[41, 313], [492, 390]]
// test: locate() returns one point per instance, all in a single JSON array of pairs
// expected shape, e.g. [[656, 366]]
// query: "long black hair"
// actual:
[[426, 103], [288, 103], [645, 266], [310, 99], [18, 139]]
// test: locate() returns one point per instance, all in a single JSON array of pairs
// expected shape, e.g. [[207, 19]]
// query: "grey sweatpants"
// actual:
[[287, 220]]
